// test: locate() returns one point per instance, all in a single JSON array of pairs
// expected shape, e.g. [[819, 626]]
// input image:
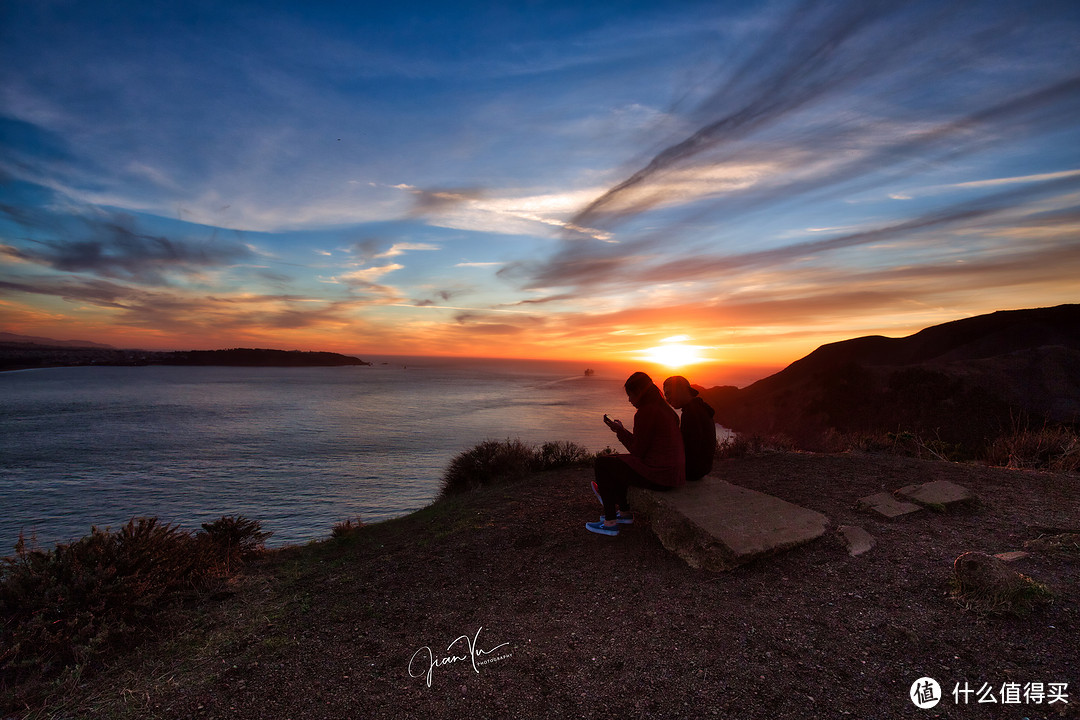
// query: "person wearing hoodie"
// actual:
[[697, 426], [656, 459]]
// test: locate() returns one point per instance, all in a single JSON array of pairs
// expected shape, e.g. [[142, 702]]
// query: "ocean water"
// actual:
[[299, 449]]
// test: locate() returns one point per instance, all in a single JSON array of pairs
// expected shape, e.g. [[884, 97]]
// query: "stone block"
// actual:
[[886, 504], [715, 525], [938, 495], [858, 540]]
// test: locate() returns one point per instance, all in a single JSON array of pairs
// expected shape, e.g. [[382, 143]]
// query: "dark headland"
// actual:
[[18, 354], [960, 383]]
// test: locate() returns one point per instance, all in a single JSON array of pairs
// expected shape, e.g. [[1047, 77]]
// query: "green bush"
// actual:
[[64, 606], [495, 462]]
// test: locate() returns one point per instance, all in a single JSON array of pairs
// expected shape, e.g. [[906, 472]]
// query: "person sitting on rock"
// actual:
[[656, 459], [697, 426]]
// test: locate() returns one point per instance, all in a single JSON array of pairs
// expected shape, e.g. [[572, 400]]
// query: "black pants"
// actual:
[[613, 477]]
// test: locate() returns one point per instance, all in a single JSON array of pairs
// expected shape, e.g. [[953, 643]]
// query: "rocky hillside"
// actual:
[[962, 382]]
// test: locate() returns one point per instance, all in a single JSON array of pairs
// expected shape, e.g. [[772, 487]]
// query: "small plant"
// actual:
[[1018, 600], [984, 583], [346, 528], [234, 538]]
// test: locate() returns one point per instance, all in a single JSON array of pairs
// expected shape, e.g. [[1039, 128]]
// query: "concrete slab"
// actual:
[[938, 495], [885, 504], [714, 525], [858, 540]]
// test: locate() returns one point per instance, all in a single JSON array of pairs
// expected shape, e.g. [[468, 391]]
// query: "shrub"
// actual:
[[1055, 448], [561, 453], [64, 606], [346, 528], [232, 539], [495, 462]]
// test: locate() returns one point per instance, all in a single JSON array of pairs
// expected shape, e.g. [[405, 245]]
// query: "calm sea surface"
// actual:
[[299, 449]]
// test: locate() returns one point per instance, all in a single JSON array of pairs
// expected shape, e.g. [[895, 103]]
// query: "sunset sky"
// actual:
[[743, 181]]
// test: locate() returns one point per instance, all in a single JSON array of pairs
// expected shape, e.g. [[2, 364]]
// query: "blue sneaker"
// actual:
[[601, 529], [622, 518]]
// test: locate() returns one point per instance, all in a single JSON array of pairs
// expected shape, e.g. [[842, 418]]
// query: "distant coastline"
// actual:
[[27, 356]]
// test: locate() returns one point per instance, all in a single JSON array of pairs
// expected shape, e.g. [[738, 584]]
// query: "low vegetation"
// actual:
[[65, 607], [1055, 448], [497, 462], [347, 528]]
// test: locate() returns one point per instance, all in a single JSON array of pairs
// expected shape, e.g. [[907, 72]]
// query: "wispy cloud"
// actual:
[[586, 270], [981, 184], [401, 248], [368, 275], [505, 213], [812, 113], [115, 247]]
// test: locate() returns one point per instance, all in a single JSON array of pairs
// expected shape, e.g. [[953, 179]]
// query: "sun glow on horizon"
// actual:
[[674, 353]]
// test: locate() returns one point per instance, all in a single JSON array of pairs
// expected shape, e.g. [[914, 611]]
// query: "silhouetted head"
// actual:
[[677, 391], [636, 386]]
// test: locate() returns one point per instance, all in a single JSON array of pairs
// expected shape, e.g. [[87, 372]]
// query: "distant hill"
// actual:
[[6, 337], [19, 356], [250, 357], [963, 382]]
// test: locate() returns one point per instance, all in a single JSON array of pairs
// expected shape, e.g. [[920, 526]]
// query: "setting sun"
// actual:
[[674, 353]]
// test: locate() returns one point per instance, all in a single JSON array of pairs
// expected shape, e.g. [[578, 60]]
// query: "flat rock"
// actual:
[[1011, 556], [940, 495], [858, 540], [886, 504], [714, 525]]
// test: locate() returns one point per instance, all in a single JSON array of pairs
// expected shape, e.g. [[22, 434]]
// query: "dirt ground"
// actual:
[[500, 605]]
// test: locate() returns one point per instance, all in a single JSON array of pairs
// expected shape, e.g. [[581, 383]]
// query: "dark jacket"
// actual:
[[699, 438], [655, 445]]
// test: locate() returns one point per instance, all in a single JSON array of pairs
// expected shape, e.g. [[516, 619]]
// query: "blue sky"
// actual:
[[743, 179]]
